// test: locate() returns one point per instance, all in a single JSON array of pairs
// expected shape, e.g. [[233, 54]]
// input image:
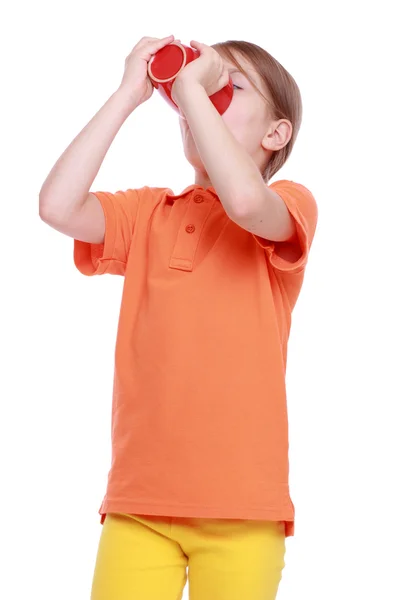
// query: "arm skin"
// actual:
[[235, 177]]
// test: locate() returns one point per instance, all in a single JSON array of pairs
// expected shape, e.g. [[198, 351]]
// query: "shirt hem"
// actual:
[[120, 505]]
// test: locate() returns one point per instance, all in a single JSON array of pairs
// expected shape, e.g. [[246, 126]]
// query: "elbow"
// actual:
[[48, 212], [276, 225], [239, 209], [44, 210]]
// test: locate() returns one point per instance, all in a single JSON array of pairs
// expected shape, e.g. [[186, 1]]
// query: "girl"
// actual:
[[199, 474]]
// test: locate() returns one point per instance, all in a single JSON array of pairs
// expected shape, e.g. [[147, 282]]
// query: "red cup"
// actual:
[[165, 65]]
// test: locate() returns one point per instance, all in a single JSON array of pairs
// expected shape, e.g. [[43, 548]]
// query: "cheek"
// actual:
[[238, 115], [238, 124], [230, 115]]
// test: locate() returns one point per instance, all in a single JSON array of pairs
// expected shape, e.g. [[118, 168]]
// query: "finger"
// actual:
[[166, 39], [155, 42], [154, 39], [155, 46], [160, 41]]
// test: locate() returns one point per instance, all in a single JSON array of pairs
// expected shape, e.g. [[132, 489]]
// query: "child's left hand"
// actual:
[[208, 70]]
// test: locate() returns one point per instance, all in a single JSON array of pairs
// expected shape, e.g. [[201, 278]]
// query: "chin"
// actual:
[[195, 161], [191, 154]]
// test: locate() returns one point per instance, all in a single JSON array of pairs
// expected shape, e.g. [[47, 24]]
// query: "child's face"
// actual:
[[247, 117]]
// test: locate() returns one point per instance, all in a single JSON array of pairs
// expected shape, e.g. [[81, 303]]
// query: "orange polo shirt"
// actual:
[[199, 413]]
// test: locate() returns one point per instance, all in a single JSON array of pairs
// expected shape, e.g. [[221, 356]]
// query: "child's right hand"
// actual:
[[136, 84]]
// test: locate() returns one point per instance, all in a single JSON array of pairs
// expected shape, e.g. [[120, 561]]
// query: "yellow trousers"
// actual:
[[146, 557]]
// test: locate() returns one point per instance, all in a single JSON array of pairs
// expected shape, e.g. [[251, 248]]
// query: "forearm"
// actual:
[[233, 173], [70, 179]]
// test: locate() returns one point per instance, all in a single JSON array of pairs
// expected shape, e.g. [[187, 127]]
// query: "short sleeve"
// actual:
[[120, 213], [303, 208]]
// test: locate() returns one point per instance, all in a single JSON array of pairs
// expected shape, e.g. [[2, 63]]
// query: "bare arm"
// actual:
[[66, 188], [247, 200], [65, 202]]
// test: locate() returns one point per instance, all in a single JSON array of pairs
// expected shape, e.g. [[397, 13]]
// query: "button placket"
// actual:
[[189, 233]]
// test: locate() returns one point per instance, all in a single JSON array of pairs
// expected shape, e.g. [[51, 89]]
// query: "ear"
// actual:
[[277, 135]]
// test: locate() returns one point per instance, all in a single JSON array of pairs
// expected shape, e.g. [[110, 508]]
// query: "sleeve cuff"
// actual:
[[93, 259], [300, 240]]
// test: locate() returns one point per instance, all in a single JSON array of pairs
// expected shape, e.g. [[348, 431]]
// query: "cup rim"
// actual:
[[156, 79]]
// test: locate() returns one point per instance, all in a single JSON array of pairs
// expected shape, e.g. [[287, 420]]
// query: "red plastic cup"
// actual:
[[165, 65]]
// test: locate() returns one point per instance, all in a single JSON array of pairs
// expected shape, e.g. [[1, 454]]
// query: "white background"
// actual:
[[60, 63]]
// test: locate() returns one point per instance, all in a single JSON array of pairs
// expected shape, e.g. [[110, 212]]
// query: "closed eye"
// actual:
[[239, 88]]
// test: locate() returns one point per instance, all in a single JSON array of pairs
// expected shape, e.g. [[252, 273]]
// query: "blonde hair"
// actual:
[[285, 98]]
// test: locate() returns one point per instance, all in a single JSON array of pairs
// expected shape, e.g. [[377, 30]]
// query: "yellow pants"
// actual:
[[145, 557]]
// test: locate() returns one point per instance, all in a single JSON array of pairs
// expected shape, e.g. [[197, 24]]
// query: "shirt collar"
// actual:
[[190, 188]]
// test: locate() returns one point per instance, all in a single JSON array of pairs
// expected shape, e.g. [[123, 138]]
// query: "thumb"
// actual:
[[197, 45]]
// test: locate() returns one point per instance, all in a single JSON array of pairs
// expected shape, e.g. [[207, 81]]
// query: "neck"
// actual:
[[201, 178]]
